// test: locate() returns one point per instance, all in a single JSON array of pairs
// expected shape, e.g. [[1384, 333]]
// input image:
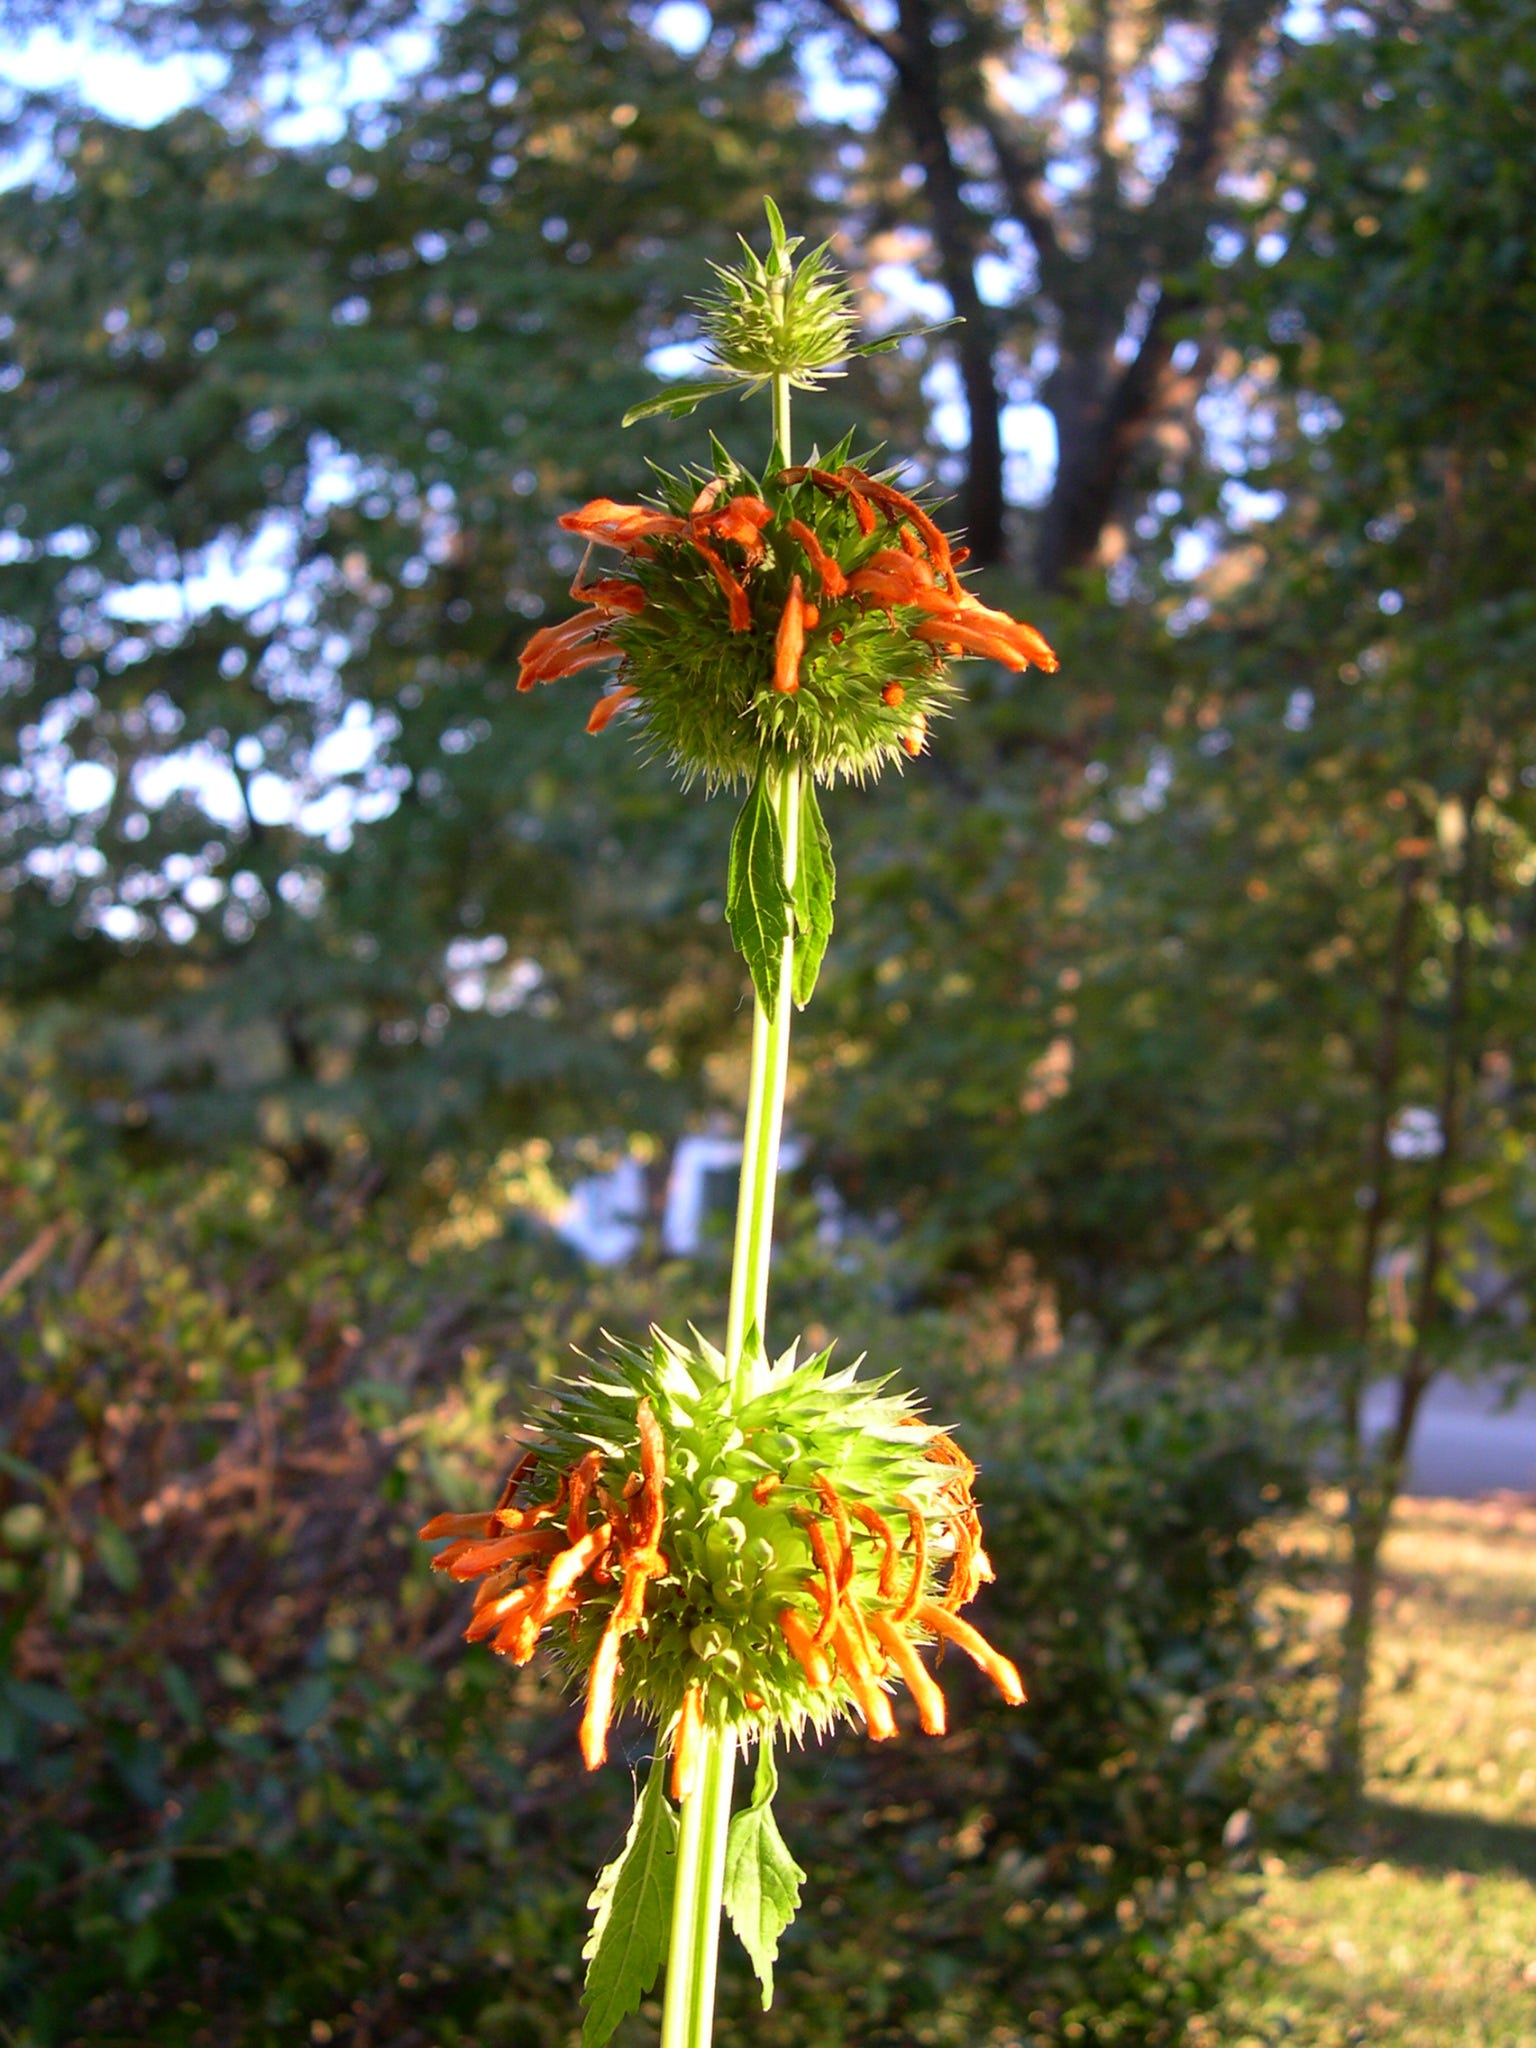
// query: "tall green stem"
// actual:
[[688, 2014], [764, 1131]]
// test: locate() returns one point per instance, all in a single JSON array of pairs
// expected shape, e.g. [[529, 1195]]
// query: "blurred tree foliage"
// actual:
[[385, 365], [1056, 170]]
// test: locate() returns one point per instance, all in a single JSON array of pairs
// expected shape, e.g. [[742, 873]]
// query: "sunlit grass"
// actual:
[[1426, 1937]]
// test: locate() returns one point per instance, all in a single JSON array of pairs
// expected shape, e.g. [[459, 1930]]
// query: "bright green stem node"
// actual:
[[688, 2015]]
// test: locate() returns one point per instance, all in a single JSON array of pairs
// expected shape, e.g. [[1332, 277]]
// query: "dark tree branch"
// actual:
[[1021, 175], [958, 234]]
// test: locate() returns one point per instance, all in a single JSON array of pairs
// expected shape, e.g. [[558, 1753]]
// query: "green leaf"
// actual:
[[632, 1908], [18, 1468], [815, 887], [757, 904], [45, 1703], [779, 245], [762, 1879], [889, 341], [119, 1560], [677, 403], [305, 1706]]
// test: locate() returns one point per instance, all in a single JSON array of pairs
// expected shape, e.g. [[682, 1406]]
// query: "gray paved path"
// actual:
[[1467, 1442]]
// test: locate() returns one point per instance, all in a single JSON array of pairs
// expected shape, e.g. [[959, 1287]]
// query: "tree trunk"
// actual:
[[955, 233], [1104, 413], [981, 499], [1375, 1482], [1367, 1524]]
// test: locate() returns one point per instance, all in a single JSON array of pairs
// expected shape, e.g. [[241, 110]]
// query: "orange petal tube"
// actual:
[[568, 1567], [457, 1525], [805, 1649], [741, 521], [599, 1709], [474, 1558], [613, 596], [556, 651], [903, 1654], [978, 630], [737, 606], [621, 526], [1003, 1674], [822, 1552], [882, 1532], [685, 1744], [789, 641], [607, 708], [879, 1721], [833, 582], [496, 1613], [898, 506]]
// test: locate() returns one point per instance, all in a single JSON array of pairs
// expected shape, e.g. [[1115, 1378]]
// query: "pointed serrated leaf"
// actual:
[[762, 1879], [631, 1904], [677, 403], [815, 887], [887, 342], [757, 905]]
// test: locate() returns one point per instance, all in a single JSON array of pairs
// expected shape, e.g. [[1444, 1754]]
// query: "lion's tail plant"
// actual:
[[740, 1547]]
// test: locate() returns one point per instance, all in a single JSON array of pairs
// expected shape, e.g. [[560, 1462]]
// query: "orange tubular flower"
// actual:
[[1003, 1674], [832, 1501], [853, 1660], [458, 1525], [882, 1532], [622, 526], [738, 606], [975, 628], [472, 1559], [918, 1539], [606, 709], [834, 583], [805, 1649], [817, 1537], [614, 596], [789, 641], [741, 521], [685, 1744], [836, 486], [899, 506], [556, 651], [898, 1647]]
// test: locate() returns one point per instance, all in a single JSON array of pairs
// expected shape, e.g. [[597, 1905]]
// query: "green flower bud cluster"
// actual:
[[771, 318], [779, 318]]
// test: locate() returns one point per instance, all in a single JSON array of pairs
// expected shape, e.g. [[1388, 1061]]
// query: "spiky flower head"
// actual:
[[759, 1564], [807, 619]]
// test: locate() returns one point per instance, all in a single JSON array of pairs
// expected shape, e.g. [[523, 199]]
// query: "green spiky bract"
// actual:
[[706, 695], [734, 1563], [773, 318]]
